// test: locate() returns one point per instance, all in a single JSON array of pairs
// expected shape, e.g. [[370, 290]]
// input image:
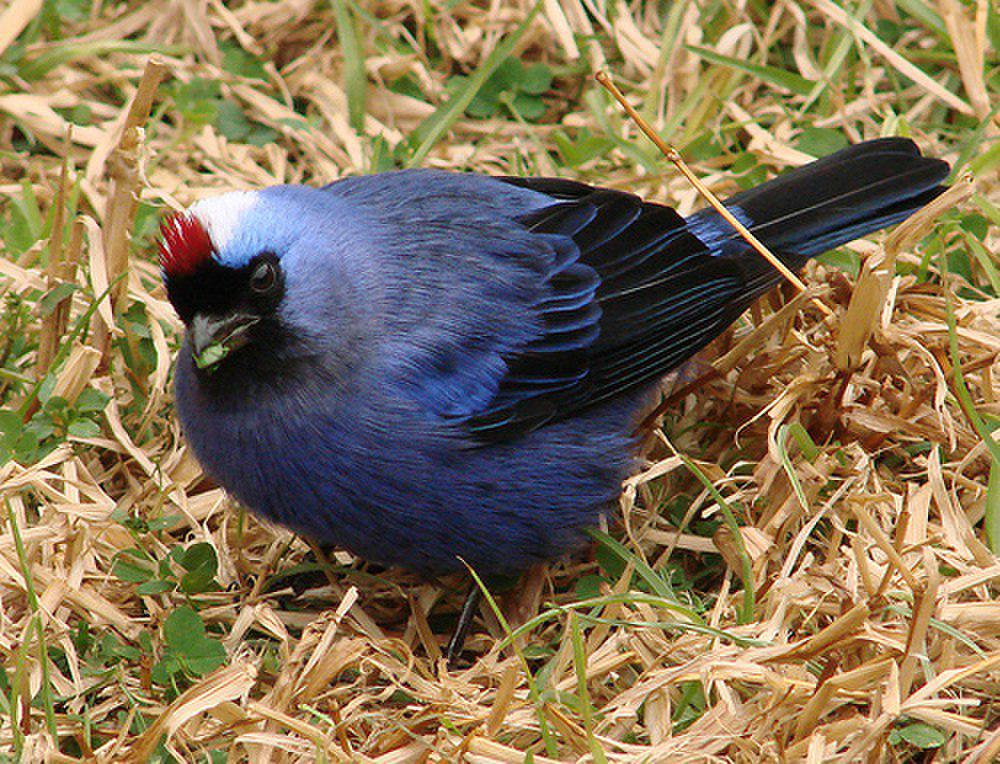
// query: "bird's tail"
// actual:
[[836, 199]]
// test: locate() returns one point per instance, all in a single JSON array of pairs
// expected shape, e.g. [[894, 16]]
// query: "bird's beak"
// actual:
[[215, 337]]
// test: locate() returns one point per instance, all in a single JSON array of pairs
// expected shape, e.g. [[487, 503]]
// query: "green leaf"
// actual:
[[197, 100], [183, 629], [236, 60], [536, 79], [690, 706], [200, 556], [111, 650], [919, 735], [923, 12], [27, 221], [820, 141], [91, 400], [163, 523], [888, 31], [512, 86], [702, 148], [260, 135], [201, 564], [211, 355], [587, 587], [155, 586], [508, 75], [483, 106], [28, 447], [748, 171], [743, 163], [809, 449], [528, 107], [845, 259], [232, 122], [184, 634], [84, 428], [11, 425], [976, 224], [130, 571], [583, 148], [165, 669], [611, 564], [204, 656], [56, 405], [81, 637]]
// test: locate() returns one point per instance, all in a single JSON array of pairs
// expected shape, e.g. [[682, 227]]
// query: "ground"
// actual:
[[805, 568]]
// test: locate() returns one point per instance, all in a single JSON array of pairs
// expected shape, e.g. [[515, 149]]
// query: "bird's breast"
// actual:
[[397, 486]]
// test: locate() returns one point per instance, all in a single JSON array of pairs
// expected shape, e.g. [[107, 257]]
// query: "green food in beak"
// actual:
[[215, 337]]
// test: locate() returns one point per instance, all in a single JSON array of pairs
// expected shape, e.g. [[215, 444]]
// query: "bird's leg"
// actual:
[[469, 608], [521, 599]]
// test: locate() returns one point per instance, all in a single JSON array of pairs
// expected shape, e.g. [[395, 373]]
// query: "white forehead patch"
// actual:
[[223, 215]]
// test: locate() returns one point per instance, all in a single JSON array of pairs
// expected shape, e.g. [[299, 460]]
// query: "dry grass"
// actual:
[[839, 460]]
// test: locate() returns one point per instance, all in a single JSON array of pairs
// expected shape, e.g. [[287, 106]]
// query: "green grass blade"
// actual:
[[781, 78], [45, 691], [61, 54], [746, 610], [580, 669], [789, 468], [533, 693], [927, 16], [355, 79], [694, 625], [843, 45], [432, 129], [655, 581], [961, 389], [991, 520]]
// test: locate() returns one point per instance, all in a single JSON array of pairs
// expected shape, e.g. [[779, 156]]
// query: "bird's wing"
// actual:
[[630, 289], [637, 293]]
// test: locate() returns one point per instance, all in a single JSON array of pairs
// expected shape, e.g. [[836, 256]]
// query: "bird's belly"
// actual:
[[415, 497], [429, 512]]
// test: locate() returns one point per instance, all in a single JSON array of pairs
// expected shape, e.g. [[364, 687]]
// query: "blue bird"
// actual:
[[424, 367]]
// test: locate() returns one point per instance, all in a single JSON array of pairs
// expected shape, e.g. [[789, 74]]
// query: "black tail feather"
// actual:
[[848, 194]]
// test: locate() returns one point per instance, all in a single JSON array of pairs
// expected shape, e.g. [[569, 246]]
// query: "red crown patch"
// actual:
[[184, 244]]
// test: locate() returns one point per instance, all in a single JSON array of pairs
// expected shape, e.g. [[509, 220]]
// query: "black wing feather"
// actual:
[[660, 293]]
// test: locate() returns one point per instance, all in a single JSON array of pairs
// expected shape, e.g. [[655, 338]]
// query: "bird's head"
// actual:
[[250, 273]]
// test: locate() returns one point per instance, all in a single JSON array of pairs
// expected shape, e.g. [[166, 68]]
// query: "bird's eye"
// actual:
[[264, 277]]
